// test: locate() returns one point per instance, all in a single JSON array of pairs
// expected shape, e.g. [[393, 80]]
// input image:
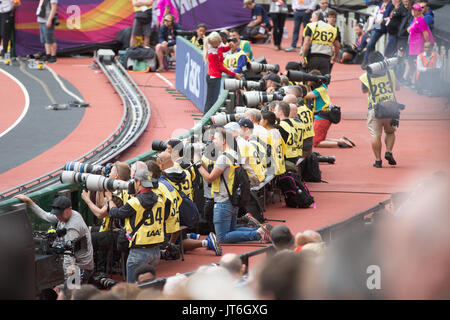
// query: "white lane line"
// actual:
[[164, 79], [70, 93], [27, 102]]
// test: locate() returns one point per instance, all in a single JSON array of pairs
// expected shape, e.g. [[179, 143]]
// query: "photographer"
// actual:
[[144, 222], [259, 27], [384, 83], [354, 54], [272, 82], [222, 180], [197, 40], [236, 59], [320, 40], [274, 141], [321, 102], [243, 44], [70, 220]]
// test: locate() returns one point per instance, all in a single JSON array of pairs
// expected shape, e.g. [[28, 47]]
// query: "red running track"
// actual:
[[12, 107]]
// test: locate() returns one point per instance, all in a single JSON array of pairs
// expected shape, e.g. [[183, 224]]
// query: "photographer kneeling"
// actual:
[[70, 220], [222, 180]]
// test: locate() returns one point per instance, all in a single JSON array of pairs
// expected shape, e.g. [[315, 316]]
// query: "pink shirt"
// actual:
[[162, 4], [416, 39]]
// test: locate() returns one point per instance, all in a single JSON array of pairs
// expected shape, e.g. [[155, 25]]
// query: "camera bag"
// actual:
[[309, 168], [296, 193], [241, 185], [333, 115]]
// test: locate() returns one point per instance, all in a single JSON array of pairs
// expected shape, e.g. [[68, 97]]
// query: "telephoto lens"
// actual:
[[299, 76], [82, 167], [329, 159], [382, 65], [70, 177], [159, 145], [253, 98], [260, 67], [222, 119], [233, 84]]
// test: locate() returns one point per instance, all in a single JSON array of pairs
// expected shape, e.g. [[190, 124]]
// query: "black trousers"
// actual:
[[212, 92], [6, 24], [278, 20], [321, 63]]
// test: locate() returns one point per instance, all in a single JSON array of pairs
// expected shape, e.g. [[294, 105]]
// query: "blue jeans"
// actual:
[[299, 18], [391, 47], [225, 217], [138, 256], [375, 35]]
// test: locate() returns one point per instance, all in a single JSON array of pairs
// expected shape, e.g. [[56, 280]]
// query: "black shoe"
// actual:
[[52, 59], [45, 58], [390, 158], [377, 164], [347, 139], [342, 144]]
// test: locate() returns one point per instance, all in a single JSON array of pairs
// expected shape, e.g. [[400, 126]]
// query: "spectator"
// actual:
[[377, 26], [145, 238], [236, 60], [233, 264], [85, 292], [321, 102], [47, 19], [282, 238], [243, 44], [225, 215], [142, 23], [259, 27], [355, 53], [402, 41], [65, 217], [197, 40], [166, 7], [126, 291], [377, 125], [429, 64], [278, 11], [317, 53], [324, 8], [144, 273], [392, 27], [167, 41], [302, 15], [418, 34], [106, 296], [213, 51], [7, 8], [428, 14]]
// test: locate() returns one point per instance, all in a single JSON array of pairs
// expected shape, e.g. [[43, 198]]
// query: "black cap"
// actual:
[[60, 204], [273, 77], [246, 123], [281, 236]]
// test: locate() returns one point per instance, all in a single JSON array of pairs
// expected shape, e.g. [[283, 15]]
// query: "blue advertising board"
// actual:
[[191, 72]]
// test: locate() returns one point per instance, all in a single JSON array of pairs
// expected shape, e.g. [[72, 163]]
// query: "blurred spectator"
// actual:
[[282, 238], [278, 11], [402, 40], [106, 296], [7, 8], [392, 27], [174, 285], [418, 34], [142, 22], [197, 40], [233, 264], [85, 292], [259, 27], [302, 14], [428, 14], [429, 65], [166, 7], [126, 291], [167, 41], [144, 273], [47, 18], [377, 26], [324, 8], [355, 53]]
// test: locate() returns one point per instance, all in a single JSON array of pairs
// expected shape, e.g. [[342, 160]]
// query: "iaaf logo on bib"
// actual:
[[192, 76]]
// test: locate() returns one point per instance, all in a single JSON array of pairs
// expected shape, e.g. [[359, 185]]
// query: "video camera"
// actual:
[[95, 182], [88, 168], [299, 76], [52, 243], [381, 65]]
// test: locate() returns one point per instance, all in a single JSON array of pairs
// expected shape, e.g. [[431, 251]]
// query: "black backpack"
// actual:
[[295, 192], [241, 186], [309, 168]]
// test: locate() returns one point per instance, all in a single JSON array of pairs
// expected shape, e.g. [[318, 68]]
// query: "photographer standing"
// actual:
[[7, 8], [70, 220], [144, 222], [380, 88], [320, 39]]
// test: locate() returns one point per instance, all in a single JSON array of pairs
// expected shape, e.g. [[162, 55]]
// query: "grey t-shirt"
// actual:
[[47, 11], [76, 228], [223, 163]]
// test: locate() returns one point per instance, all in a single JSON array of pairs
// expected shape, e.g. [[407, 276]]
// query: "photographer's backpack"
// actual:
[[309, 169], [295, 192], [241, 186]]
